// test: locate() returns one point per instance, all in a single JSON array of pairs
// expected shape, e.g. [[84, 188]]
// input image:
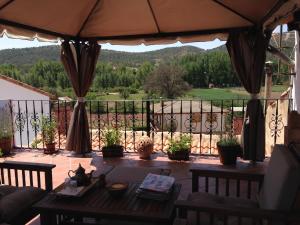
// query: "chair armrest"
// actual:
[[248, 175], [255, 213], [26, 168]]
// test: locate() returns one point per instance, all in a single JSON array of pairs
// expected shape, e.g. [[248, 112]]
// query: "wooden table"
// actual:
[[98, 204]]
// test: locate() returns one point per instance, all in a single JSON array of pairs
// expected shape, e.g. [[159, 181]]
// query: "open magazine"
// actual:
[[156, 187], [158, 183]]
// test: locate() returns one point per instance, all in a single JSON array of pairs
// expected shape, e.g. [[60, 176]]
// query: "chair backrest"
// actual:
[[282, 180], [292, 131]]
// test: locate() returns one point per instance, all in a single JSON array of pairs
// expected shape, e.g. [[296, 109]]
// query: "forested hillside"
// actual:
[[51, 53], [123, 72]]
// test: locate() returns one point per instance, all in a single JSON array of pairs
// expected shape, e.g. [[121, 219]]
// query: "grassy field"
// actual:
[[230, 93], [116, 96], [215, 93], [196, 93]]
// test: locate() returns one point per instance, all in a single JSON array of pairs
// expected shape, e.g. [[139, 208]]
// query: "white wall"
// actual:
[[9, 90], [182, 122], [22, 115]]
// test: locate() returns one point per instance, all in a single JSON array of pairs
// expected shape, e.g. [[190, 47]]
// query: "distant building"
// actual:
[[28, 104], [189, 116]]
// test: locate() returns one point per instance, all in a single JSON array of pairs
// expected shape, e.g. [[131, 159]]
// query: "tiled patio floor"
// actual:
[[64, 162]]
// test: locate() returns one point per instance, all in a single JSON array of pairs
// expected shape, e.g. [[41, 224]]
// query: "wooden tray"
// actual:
[[59, 191]]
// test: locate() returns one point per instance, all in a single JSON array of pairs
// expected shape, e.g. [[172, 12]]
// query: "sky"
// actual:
[[8, 43]]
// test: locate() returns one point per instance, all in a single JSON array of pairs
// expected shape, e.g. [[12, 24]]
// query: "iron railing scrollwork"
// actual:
[[162, 120]]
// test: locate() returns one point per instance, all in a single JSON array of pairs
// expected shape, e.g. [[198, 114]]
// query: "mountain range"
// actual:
[[29, 56]]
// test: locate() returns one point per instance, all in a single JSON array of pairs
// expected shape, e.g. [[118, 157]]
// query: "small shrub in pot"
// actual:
[[48, 128], [112, 140], [179, 149], [228, 149], [6, 141], [6, 131]]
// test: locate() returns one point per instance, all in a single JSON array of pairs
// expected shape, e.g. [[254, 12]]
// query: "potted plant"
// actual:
[[6, 141], [112, 140], [145, 147], [6, 130], [180, 149], [228, 148], [48, 128]]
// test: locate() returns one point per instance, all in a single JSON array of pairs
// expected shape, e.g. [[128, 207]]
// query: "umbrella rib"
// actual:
[[6, 4], [168, 34], [234, 11], [153, 15], [87, 18], [35, 29], [273, 10]]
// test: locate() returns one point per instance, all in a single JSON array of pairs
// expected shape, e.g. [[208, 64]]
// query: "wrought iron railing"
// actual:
[[162, 120]]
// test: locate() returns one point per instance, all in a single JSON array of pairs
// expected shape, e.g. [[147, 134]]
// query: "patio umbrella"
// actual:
[[133, 22], [139, 21]]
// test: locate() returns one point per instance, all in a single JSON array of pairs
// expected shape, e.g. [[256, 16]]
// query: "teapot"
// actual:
[[80, 176]]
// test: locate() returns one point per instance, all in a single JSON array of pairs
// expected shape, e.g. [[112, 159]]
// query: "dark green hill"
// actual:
[[32, 55]]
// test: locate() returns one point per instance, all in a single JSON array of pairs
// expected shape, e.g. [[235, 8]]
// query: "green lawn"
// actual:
[[197, 93], [215, 93], [228, 93], [279, 88]]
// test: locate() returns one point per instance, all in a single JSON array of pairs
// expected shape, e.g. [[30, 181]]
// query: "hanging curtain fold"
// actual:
[[296, 79], [247, 52], [79, 60]]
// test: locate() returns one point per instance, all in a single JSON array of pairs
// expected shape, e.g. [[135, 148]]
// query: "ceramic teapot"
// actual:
[[80, 176]]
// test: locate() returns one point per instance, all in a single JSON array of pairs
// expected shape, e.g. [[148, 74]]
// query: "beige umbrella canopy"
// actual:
[[138, 21], [149, 22]]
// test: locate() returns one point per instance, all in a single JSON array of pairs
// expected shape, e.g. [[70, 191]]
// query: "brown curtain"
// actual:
[[247, 51], [79, 60]]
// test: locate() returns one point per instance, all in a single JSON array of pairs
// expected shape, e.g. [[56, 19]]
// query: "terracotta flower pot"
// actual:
[[50, 148], [6, 145], [145, 147], [228, 154], [113, 151], [145, 151], [179, 155]]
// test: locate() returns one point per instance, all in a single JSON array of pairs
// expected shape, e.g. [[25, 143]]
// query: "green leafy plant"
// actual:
[[6, 130], [228, 140], [1, 152], [36, 142], [181, 144], [5, 133], [48, 127], [112, 136]]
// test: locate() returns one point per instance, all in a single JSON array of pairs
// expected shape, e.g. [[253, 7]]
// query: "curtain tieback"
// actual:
[[80, 99], [254, 96]]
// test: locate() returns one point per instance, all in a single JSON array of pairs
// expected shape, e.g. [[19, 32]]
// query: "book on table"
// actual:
[[156, 187]]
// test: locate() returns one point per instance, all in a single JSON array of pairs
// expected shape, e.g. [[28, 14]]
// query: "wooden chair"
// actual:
[[292, 130], [22, 184], [275, 203]]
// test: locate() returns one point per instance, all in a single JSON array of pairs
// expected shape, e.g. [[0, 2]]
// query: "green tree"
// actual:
[[124, 93], [167, 81], [11, 71]]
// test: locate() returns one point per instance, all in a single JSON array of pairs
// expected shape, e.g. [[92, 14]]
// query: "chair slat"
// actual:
[[16, 178], [9, 176], [31, 178], [23, 178]]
